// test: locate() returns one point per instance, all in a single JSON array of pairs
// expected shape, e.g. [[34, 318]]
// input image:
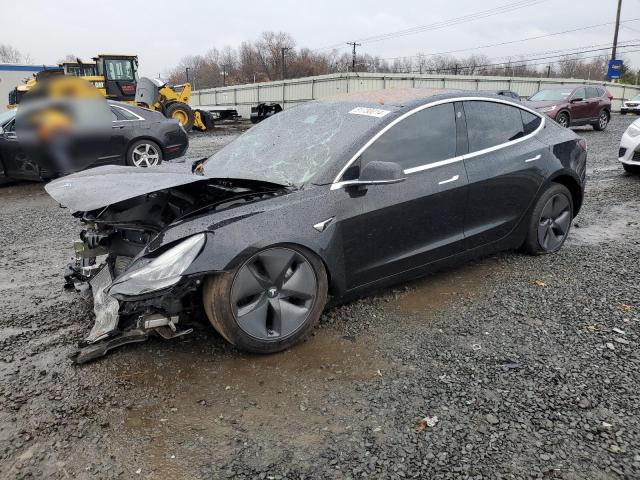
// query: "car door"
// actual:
[[579, 106], [123, 127], [390, 229], [593, 101], [505, 167], [16, 161]]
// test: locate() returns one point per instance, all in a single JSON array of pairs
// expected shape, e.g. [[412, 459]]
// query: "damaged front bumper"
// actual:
[[120, 319]]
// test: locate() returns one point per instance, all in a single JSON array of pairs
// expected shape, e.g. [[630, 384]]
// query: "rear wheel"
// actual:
[[550, 221], [603, 121], [144, 153], [631, 168], [563, 119], [269, 302], [181, 112]]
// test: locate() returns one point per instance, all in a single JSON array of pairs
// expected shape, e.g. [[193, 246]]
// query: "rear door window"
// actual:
[[490, 124], [580, 93], [529, 122], [593, 92], [425, 137]]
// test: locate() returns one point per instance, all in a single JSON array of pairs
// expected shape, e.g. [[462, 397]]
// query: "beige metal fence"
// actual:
[[291, 92]]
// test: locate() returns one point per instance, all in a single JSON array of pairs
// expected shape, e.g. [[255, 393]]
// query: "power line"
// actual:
[[527, 60], [443, 24], [510, 42]]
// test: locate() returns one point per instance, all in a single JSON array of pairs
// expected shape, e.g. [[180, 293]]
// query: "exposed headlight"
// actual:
[[548, 109], [182, 127], [162, 272], [633, 130]]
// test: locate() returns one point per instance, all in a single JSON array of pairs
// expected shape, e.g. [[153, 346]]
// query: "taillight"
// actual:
[[583, 144], [609, 96]]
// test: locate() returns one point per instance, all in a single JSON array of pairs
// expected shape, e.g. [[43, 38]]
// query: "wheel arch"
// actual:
[[574, 188]]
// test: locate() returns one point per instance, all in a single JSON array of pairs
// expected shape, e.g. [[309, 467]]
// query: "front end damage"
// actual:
[[137, 273]]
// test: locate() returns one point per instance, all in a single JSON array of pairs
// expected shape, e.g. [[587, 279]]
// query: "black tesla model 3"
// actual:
[[319, 203]]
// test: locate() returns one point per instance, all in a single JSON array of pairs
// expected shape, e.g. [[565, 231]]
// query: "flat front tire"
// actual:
[[270, 301], [550, 221]]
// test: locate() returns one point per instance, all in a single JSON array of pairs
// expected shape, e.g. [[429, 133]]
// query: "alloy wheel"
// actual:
[[555, 221], [563, 120], [145, 155], [603, 120], [273, 293]]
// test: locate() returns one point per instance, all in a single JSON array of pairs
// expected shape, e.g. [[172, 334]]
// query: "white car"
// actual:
[[629, 153], [631, 106]]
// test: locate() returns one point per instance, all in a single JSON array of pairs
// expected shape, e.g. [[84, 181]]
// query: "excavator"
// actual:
[[116, 78]]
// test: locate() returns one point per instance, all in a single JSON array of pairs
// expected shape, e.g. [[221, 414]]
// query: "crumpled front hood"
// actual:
[[98, 187]]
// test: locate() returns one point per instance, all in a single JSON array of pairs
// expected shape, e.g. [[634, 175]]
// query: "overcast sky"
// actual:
[[163, 31]]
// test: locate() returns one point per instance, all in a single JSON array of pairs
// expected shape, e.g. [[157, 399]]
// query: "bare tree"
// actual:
[[10, 54]]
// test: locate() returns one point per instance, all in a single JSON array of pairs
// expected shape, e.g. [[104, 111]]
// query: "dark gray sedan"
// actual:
[[136, 137]]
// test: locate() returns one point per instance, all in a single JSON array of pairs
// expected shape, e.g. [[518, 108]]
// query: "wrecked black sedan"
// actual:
[[319, 203]]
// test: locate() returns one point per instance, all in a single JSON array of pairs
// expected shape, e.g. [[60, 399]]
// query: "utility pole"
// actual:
[[615, 32], [187, 72], [548, 71], [614, 48], [283, 50], [353, 57]]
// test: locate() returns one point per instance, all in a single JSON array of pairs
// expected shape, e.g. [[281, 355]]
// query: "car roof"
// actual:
[[409, 97]]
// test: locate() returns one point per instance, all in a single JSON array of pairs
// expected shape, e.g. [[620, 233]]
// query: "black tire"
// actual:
[[563, 119], [631, 168], [623, 113], [603, 121], [267, 309], [139, 146], [548, 232], [181, 112]]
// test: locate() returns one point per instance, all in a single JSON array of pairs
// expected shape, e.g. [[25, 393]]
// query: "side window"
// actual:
[[422, 138], [580, 93], [529, 122], [125, 114], [592, 92], [114, 115], [490, 124]]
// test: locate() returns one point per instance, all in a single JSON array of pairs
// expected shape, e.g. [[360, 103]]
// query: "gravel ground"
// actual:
[[508, 367]]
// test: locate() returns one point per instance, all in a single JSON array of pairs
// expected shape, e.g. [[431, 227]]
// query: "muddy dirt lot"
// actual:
[[531, 366]]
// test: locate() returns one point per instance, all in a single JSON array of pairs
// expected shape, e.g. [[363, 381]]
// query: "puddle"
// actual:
[[614, 224], [438, 290], [193, 402]]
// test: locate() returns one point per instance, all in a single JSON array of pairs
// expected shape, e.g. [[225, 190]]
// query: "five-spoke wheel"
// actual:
[[144, 153], [270, 301], [550, 221]]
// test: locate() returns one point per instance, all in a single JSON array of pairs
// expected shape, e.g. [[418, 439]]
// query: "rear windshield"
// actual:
[[297, 145], [551, 95]]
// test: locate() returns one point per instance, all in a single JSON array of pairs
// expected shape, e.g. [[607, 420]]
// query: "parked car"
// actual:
[[573, 106], [315, 205], [629, 153], [631, 106], [139, 137]]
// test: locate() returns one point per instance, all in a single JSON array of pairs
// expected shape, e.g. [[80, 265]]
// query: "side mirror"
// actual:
[[576, 99], [377, 173]]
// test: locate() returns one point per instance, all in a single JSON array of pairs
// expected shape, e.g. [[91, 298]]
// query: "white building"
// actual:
[[13, 75]]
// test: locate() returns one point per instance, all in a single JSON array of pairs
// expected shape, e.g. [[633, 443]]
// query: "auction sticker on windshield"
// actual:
[[369, 112]]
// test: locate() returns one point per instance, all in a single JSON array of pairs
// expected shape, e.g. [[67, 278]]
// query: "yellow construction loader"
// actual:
[[116, 77]]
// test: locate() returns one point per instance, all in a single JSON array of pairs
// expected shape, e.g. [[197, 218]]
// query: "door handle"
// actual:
[[452, 179], [533, 159], [117, 126]]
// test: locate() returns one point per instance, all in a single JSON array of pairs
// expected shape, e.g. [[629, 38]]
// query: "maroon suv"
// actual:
[[571, 105]]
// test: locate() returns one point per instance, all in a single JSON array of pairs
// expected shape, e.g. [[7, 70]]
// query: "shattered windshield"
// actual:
[[296, 145]]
